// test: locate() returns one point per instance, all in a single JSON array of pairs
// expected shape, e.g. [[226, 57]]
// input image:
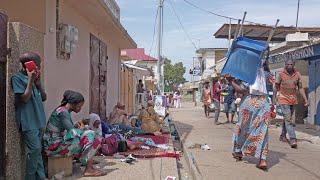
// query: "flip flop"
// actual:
[[96, 174]]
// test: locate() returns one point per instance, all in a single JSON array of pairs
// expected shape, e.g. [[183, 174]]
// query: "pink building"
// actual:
[[81, 48]]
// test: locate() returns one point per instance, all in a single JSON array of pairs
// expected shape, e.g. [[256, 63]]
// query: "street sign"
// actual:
[[197, 71]]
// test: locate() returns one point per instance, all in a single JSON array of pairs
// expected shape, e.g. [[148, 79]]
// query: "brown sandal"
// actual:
[[262, 167], [237, 156]]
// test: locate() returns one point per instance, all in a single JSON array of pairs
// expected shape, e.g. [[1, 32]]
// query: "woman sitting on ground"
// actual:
[[151, 123], [119, 115], [95, 124], [62, 138]]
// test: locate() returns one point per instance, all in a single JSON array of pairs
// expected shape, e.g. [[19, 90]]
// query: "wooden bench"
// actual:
[[55, 165]]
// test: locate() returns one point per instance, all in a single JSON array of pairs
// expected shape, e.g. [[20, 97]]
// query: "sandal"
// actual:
[[263, 167], [97, 173], [293, 143], [237, 156], [283, 139]]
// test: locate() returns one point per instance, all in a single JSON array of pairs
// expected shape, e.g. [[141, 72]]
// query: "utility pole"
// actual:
[[160, 85], [297, 19]]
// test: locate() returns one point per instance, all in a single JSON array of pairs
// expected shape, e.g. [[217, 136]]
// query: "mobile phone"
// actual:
[[30, 66]]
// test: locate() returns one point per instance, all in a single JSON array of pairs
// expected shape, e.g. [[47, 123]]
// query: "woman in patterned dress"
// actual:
[[62, 138], [251, 131]]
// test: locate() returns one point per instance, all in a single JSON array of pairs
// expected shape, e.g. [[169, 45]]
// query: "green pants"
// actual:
[[34, 165]]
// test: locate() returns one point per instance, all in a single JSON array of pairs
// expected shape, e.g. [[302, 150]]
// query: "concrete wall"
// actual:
[[209, 57], [21, 38], [74, 73]]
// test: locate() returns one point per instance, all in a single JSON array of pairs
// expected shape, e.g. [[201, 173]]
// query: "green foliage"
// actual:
[[173, 75]]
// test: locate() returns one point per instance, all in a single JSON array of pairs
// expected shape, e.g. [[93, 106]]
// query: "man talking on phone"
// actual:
[[30, 116]]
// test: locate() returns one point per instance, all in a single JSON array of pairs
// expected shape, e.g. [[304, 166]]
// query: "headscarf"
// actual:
[[93, 118], [120, 106], [72, 97]]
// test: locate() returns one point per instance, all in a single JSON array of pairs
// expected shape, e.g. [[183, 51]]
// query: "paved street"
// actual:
[[284, 162]]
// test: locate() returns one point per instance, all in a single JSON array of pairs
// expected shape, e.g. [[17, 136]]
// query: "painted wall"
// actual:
[[74, 73], [209, 57], [30, 12]]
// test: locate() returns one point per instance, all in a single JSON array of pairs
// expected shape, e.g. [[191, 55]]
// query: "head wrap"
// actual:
[[120, 106], [72, 97], [93, 118]]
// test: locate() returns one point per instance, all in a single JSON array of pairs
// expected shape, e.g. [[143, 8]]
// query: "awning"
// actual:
[[140, 69], [135, 67]]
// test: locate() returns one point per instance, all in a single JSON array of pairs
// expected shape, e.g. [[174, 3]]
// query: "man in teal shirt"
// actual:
[[30, 115]]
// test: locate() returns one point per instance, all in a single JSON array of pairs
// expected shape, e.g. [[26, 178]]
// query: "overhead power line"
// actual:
[[181, 25], [216, 14], [154, 30]]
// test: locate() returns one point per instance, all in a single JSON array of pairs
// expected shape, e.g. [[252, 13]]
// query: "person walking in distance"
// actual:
[[206, 98], [179, 98], [216, 92], [229, 103], [287, 83]]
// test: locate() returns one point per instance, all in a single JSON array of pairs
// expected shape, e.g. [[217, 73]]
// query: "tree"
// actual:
[[173, 75]]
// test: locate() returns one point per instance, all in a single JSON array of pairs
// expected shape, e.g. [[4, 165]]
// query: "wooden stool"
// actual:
[[56, 165]]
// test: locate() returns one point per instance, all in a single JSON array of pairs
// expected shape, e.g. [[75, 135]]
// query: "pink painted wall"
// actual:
[[74, 73]]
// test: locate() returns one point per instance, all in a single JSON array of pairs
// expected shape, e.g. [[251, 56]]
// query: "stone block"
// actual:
[[21, 38], [57, 165]]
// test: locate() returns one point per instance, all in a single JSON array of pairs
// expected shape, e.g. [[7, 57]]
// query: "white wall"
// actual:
[[210, 59]]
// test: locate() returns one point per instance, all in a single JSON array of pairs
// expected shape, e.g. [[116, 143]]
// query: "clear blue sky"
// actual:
[[138, 17]]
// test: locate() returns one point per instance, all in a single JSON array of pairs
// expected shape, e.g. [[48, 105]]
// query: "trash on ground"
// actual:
[[205, 147], [170, 178]]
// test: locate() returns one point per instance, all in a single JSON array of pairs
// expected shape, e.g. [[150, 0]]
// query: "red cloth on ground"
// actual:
[[152, 153], [161, 139]]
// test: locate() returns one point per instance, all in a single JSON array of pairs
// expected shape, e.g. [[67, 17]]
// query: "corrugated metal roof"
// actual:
[[261, 32]]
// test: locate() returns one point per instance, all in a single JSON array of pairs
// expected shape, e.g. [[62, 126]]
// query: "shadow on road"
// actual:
[[183, 129], [273, 158]]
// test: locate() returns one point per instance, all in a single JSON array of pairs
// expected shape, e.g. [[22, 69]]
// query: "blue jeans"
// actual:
[[34, 164], [288, 125], [230, 107]]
